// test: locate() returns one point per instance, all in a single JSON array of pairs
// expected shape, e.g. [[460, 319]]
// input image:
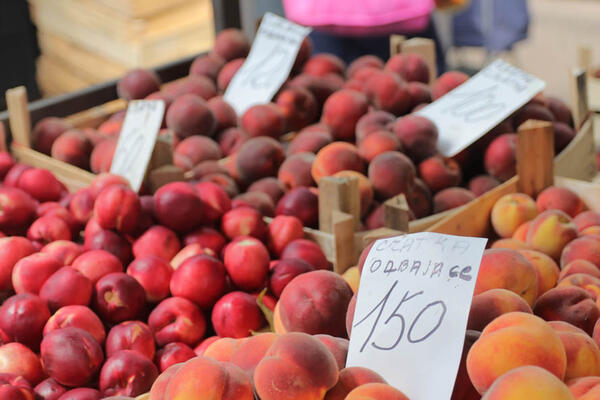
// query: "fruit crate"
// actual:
[[536, 170]]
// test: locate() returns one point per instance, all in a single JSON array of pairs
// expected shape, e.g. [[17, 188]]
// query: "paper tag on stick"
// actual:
[[412, 308], [268, 65], [471, 110], [137, 140]]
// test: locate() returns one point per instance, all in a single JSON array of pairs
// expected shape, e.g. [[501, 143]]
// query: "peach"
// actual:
[[304, 53], [543, 349], [284, 272], [376, 391], [193, 150], [583, 248], [237, 315], [111, 242], [200, 279], [243, 221], [579, 267], [302, 203], [418, 136], [320, 86], [41, 184], [173, 353], [520, 233], [569, 304], [118, 297], [545, 267], [592, 230], [341, 112], [247, 262], [507, 269], [178, 207], [30, 273], [583, 354], [419, 200], [223, 381], [76, 316], [157, 392], [338, 348], [65, 250], [18, 208], [190, 115], [584, 388], [176, 319], [386, 91], [561, 199], [529, 382], [206, 237], [352, 277], [420, 95], [492, 303], [500, 157], [310, 140], [248, 352], [231, 43], [131, 335], [364, 61], [137, 84], [6, 163], [17, 359], [351, 378], [440, 173], [22, 319], [224, 113], [335, 157], [463, 388], [84, 394], [104, 180], [511, 211], [377, 142], [532, 111], [82, 205], [102, 155], [512, 244], [560, 110], [206, 168], [258, 158], [188, 251], [48, 229], [446, 82], [283, 230], [365, 189], [223, 349], [94, 264], [228, 71], [207, 65], [308, 251], [373, 121], [201, 348], [317, 290], [157, 241], [73, 147], [231, 140], [298, 107], [323, 64], [481, 184], [46, 131], [305, 357], [410, 67], [360, 77], [563, 134], [586, 219], [263, 120], [584, 281], [14, 173], [49, 389], [71, 356], [154, 274], [550, 232], [215, 200], [127, 373], [197, 85], [117, 207], [66, 287], [391, 173], [296, 170], [450, 198], [261, 202]]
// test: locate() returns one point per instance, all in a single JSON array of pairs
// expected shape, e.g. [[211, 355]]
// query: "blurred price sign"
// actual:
[[412, 308], [471, 110], [268, 65], [137, 140]]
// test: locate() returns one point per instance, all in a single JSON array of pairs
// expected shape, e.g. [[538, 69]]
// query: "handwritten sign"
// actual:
[[137, 140], [475, 107], [412, 309], [268, 65]]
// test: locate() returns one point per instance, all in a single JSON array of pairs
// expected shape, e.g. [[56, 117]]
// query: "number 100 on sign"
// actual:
[[412, 309]]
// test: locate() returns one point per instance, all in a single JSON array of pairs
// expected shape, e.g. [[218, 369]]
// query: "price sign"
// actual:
[[137, 139], [412, 309], [471, 110], [268, 65]]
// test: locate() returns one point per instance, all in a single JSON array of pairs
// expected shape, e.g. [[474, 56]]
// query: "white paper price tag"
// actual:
[[137, 140], [475, 107], [412, 309], [268, 65]]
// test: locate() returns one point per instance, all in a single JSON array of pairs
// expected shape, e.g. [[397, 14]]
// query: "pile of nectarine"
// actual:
[[327, 119]]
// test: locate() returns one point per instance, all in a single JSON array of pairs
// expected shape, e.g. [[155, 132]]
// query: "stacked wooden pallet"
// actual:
[[85, 42]]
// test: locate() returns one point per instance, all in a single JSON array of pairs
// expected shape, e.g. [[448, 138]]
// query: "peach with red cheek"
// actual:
[[157, 241], [296, 170], [341, 112], [77, 316], [247, 262], [376, 391], [66, 287], [30, 273], [579, 267], [118, 297], [529, 382], [237, 315], [94, 264], [583, 354], [171, 354], [583, 248], [550, 232], [556, 198], [176, 319], [490, 304], [511, 211], [127, 373], [546, 269], [243, 221], [335, 157], [301, 202]]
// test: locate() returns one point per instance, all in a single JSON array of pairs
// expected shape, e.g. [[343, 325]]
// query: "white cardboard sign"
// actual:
[[412, 308], [268, 65], [137, 140], [471, 110]]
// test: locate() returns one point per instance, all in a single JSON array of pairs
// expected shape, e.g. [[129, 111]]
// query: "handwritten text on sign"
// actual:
[[475, 107], [137, 140], [268, 65], [412, 308]]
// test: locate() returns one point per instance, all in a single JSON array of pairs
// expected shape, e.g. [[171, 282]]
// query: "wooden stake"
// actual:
[[162, 175], [396, 44], [3, 137], [20, 121], [338, 194], [395, 213], [426, 49], [343, 236], [584, 55], [578, 159], [578, 93], [535, 157]]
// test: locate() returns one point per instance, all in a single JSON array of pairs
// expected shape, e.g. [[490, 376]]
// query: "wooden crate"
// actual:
[[139, 8], [178, 31], [593, 84]]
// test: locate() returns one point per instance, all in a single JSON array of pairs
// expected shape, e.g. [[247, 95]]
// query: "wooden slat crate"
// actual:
[[139, 8]]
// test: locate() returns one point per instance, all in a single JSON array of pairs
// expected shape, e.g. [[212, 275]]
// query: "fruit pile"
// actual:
[[328, 119], [104, 289]]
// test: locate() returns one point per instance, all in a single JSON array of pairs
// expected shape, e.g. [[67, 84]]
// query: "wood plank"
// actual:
[[139, 8], [20, 121], [426, 49], [535, 156], [578, 96], [422, 224], [578, 159], [338, 194], [396, 44], [396, 213]]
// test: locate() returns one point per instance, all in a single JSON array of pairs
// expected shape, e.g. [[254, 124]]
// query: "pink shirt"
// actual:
[[360, 17]]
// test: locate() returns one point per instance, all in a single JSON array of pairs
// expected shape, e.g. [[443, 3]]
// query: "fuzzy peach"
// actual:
[[511, 211], [492, 303], [579, 267], [341, 112], [546, 269], [76, 316], [391, 173], [302, 203], [583, 354], [176, 319], [528, 382], [550, 232]]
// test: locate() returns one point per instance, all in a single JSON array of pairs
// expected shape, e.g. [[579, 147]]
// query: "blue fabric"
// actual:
[[494, 24]]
